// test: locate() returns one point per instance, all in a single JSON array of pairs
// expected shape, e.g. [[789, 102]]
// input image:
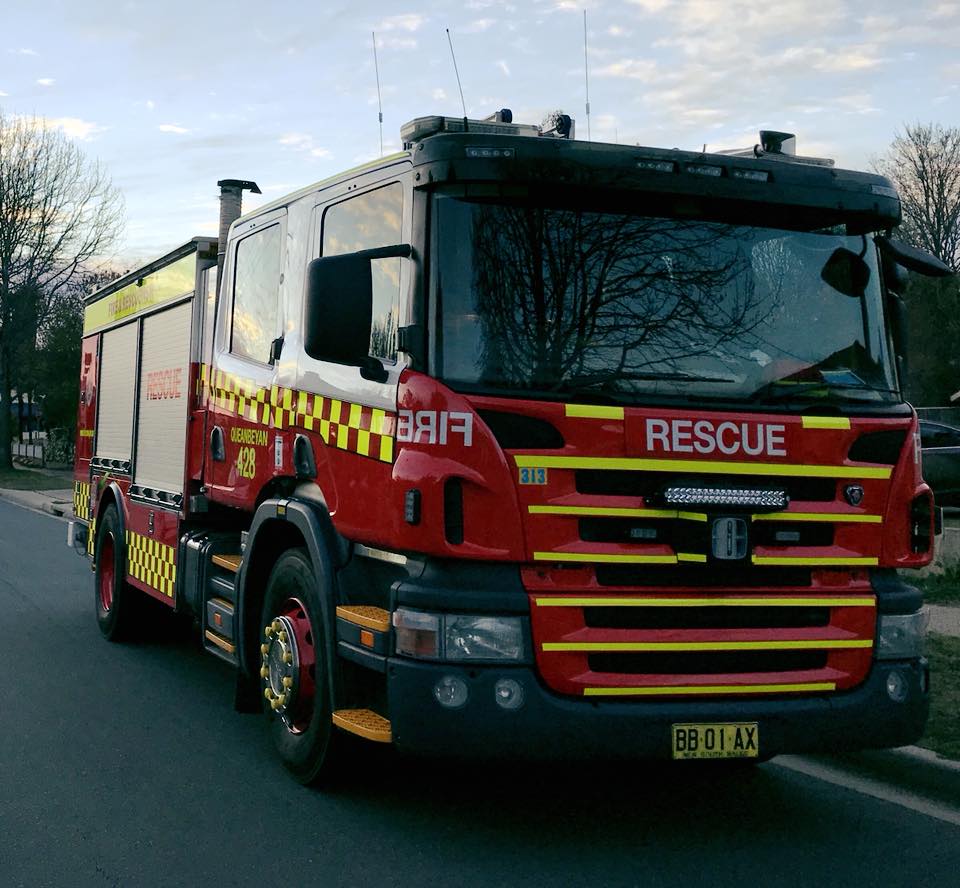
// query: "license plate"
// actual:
[[716, 741]]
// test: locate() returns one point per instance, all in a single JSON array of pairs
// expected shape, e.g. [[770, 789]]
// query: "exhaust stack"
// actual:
[[231, 199]]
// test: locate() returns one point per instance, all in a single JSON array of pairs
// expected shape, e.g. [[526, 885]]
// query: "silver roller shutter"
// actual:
[[164, 399], [116, 393]]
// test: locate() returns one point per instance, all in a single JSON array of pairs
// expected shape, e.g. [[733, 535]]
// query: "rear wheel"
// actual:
[[114, 598], [294, 677]]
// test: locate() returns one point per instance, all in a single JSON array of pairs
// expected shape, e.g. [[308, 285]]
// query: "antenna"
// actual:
[[376, 68], [455, 71], [586, 72]]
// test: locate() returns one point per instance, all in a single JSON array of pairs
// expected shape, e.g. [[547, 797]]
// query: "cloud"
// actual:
[[75, 128], [304, 143], [651, 5], [644, 70], [438, 94], [408, 22], [46, 81], [479, 25], [24, 52], [3, 94], [502, 65], [150, 104], [172, 128]]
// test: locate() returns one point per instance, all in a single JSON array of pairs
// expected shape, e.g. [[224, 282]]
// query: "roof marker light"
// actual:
[[702, 169], [751, 175], [657, 166]]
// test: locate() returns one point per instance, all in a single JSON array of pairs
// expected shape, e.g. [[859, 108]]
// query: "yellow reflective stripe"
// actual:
[[668, 690], [616, 512], [861, 601], [816, 562], [614, 646], [709, 467], [818, 516], [602, 558], [825, 422], [692, 556], [593, 411]]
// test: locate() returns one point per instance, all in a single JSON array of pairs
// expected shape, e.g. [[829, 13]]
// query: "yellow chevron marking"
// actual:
[[618, 646], [664, 691], [708, 467]]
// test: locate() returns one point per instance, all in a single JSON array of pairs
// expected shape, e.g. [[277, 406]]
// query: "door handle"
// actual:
[[218, 449]]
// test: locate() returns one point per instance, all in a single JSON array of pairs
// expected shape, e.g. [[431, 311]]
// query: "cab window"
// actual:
[[256, 290], [362, 223]]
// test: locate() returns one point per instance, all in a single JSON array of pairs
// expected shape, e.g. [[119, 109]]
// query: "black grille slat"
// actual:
[[706, 617], [701, 575], [706, 662], [600, 482]]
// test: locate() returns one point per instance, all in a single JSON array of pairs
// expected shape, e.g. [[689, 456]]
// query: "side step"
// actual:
[[228, 562], [363, 635], [364, 723]]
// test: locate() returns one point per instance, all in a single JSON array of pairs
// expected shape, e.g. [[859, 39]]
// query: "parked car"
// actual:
[[941, 461]]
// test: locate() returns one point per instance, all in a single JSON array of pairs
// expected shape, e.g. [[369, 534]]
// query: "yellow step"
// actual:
[[228, 562], [221, 643], [365, 615], [365, 723]]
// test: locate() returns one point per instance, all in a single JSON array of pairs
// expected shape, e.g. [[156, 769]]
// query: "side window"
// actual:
[[362, 223], [256, 290]]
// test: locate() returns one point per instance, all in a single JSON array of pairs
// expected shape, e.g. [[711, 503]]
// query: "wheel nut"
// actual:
[[282, 635], [288, 658], [281, 699], [264, 672], [277, 625], [287, 682], [268, 631], [264, 648], [268, 693], [275, 704]]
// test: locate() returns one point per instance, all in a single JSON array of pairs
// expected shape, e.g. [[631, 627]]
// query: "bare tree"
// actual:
[[924, 164], [58, 213]]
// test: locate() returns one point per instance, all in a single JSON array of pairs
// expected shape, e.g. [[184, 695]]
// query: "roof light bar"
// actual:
[[422, 127], [752, 498]]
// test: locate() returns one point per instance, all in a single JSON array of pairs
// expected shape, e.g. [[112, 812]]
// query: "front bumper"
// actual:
[[552, 726]]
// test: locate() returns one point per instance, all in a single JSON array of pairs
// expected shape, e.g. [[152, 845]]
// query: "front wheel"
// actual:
[[294, 676]]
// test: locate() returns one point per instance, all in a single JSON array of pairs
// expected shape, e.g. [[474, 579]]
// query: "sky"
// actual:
[[172, 96]]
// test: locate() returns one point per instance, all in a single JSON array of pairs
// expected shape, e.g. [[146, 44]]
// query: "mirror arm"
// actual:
[[372, 369]]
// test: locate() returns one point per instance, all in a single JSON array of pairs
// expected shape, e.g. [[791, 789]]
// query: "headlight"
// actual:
[[482, 638], [458, 637], [900, 636]]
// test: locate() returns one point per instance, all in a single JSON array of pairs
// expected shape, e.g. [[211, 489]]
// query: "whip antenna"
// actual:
[[455, 71], [376, 68], [586, 72]]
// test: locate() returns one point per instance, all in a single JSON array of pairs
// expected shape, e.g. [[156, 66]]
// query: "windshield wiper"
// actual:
[[604, 379]]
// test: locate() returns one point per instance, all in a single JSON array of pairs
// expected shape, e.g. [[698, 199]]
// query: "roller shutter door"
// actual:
[[116, 393], [164, 399]]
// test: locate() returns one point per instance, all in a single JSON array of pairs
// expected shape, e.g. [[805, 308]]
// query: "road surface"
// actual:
[[124, 765]]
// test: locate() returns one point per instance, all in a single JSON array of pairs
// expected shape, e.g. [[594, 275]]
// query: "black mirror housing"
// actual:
[[339, 309], [913, 259], [846, 272], [339, 305]]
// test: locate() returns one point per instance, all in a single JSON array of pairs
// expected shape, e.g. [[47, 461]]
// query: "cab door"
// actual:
[[243, 376]]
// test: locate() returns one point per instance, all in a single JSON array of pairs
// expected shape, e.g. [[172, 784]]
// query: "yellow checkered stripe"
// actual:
[[92, 536], [151, 562], [356, 428], [81, 499]]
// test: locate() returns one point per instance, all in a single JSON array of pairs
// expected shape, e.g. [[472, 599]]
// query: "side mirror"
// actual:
[[339, 309], [913, 259], [897, 310], [846, 272]]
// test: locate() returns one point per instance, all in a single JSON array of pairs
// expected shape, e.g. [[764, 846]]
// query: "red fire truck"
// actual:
[[516, 444]]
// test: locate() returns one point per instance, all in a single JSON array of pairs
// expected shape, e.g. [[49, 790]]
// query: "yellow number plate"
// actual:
[[716, 741]]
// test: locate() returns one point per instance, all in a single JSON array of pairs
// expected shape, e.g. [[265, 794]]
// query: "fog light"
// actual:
[[896, 686], [451, 692], [508, 693]]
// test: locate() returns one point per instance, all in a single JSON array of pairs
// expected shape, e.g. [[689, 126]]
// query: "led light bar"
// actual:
[[422, 127], [725, 496]]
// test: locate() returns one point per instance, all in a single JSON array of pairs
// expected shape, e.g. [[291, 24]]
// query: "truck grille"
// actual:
[[723, 663]]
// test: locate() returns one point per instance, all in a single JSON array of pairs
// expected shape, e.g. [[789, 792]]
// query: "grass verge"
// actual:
[[938, 589], [24, 479], [943, 729]]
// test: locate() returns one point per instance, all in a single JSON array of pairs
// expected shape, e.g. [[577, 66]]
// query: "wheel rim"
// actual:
[[107, 573], [288, 667]]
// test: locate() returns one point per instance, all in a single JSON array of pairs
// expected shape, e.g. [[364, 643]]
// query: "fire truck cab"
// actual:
[[515, 444]]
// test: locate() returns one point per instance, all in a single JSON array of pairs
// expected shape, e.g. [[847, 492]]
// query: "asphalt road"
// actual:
[[126, 765]]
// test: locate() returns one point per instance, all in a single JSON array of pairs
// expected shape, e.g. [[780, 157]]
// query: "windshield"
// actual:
[[563, 301]]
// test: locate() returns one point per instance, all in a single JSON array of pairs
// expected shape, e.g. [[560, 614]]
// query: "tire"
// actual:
[[114, 599], [294, 678]]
